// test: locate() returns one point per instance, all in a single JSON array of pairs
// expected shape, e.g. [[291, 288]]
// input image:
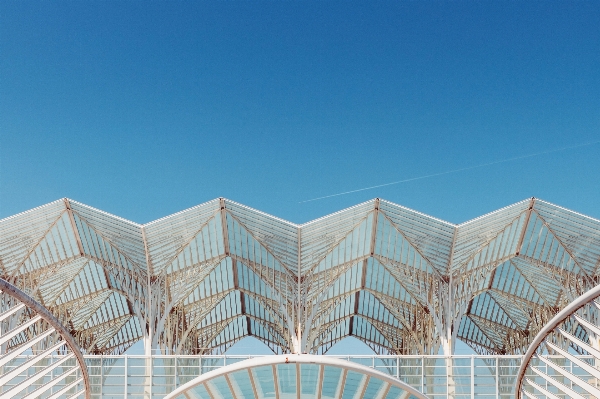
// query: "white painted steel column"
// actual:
[[497, 378]]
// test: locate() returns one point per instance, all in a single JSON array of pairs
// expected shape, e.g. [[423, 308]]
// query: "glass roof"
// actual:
[[403, 282], [295, 376]]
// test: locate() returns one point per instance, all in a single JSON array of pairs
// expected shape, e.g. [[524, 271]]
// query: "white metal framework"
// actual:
[[403, 282], [554, 367], [38, 356], [295, 376], [468, 377]]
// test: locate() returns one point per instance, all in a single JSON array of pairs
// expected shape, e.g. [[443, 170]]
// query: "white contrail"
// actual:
[[453, 171]]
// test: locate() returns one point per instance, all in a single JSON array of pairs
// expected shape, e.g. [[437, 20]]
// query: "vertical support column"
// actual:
[[448, 344], [149, 314], [301, 298], [449, 321], [149, 344], [497, 377], [472, 376]]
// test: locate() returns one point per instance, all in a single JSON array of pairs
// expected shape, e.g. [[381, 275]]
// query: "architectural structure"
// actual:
[[564, 358], [295, 376], [403, 282], [38, 356]]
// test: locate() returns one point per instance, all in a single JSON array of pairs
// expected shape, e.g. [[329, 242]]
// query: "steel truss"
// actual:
[[564, 358], [38, 356], [403, 282]]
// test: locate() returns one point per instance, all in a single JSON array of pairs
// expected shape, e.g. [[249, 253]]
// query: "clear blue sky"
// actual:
[[143, 109]]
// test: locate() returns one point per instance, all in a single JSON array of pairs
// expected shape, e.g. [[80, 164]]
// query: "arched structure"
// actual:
[[295, 376], [38, 356], [401, 281], [554, 367]]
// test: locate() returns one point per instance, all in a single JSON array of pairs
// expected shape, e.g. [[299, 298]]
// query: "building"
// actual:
[[405, 283]]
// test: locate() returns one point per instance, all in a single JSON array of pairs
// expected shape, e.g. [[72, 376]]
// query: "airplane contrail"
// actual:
[[453, 171]]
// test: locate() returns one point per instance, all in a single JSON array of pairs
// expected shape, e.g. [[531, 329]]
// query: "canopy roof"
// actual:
[[295, 376], [401, 281]]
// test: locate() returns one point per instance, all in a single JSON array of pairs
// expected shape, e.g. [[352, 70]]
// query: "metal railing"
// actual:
[[459, 377]]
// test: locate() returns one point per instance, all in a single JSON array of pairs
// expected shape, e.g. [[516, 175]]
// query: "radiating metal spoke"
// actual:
[[574, 327], [33, 345]]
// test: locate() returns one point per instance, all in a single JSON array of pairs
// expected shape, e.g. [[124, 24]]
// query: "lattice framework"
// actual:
[[401, 281]]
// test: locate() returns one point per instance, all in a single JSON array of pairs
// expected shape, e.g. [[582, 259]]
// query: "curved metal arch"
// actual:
[[10, 315], [388, 382], [554, 338]]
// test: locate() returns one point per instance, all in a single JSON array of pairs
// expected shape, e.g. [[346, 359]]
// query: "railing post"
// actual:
[[448, 361], [423, 374], [125, 372], [150, 379], [472, 376]]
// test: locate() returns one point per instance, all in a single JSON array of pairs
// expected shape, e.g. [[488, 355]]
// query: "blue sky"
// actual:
[[143, 109]]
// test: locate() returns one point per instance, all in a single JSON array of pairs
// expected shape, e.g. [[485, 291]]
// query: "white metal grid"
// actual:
[[38, 356], [403, 282], [564, 357]]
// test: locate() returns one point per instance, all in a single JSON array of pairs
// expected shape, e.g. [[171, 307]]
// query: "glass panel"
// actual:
[[394, 393], [309, 376], [331, 381], [353, 384], [218, 387], [286, 376], [197, 392], [374, 387], [265, 384], [242, 386]]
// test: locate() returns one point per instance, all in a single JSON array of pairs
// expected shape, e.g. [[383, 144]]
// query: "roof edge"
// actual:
[[103, 212], [496, 211], [33, 209]]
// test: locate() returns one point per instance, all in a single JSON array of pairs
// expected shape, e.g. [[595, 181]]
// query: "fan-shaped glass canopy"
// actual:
[[403, 282]]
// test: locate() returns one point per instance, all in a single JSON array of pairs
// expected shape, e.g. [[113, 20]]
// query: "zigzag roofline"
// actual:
[[292, 224]]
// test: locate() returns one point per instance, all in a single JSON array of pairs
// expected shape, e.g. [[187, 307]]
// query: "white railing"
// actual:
[[472, 377], [138, 376]]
